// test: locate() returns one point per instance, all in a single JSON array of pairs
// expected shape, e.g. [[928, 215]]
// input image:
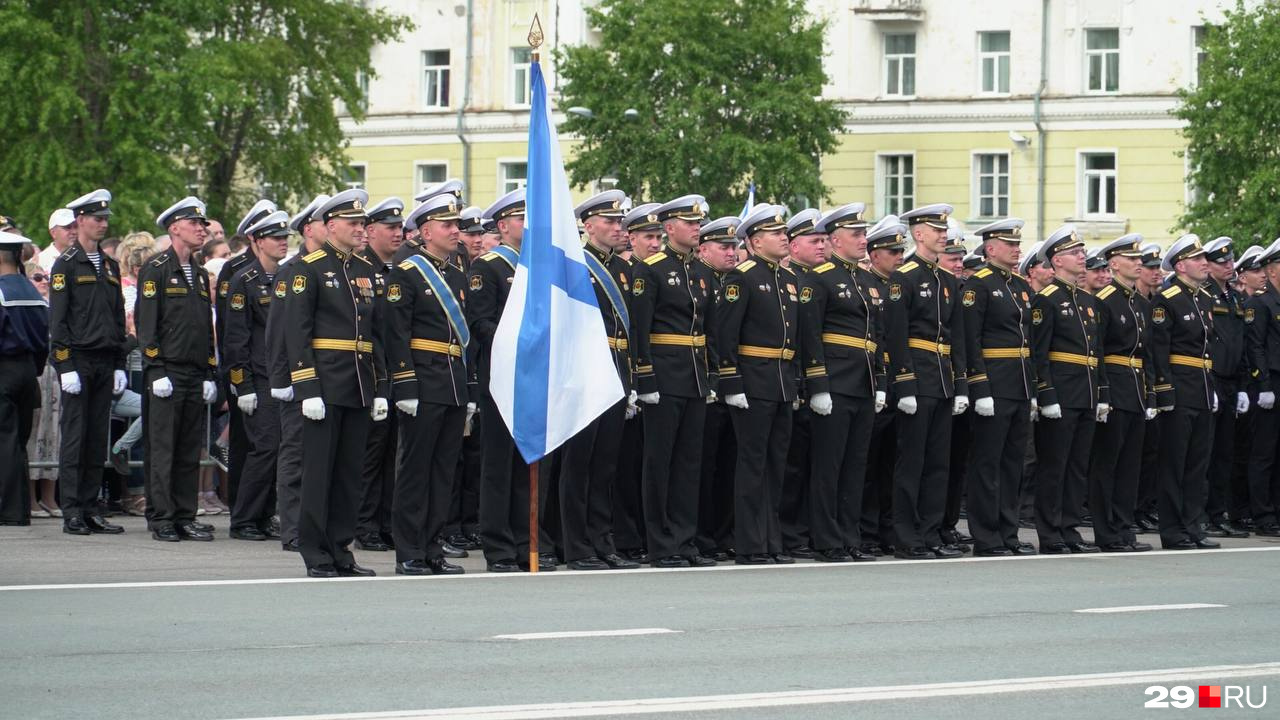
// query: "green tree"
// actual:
[[151, 97], [1233, 120], [726, 93]]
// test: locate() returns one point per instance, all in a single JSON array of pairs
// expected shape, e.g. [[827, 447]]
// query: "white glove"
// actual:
[[821, 403], [209, 391], [231, 388], [908, 405], [248, 403], [961, 404], [1051, 412], [1035, 410], [1266, 400], [881, 401], [379, 410], [71, 383], [1165, 408], [986, 407], [410, 408], [1103, 411], [1215, 402], [795, 404], [313, 409], [1152, 412], [120, 381], [471, 416], [737, 400], [1242, 403], [283, 394], [632, 405], [162, 388], [712, 397], [649, 398]]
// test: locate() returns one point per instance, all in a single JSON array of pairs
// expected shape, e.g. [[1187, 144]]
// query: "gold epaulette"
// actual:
[[909, 267], [1105, 292], [1171, 291], [655, 258], [824, 267], [984, 272], [313, 257], [406, 265], [1049, 290], [745, 265]]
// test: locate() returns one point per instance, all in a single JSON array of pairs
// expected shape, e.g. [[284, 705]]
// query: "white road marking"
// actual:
[[586, 634], [1149, 608], [550, 576], [645, 706]]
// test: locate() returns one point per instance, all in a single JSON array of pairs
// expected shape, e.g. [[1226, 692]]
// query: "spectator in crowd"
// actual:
[[134, 250], [214, 250], [62, 230], [43, 444], [216, 231], [109, 246]]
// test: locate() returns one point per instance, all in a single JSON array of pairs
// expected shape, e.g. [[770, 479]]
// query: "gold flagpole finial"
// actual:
[[535, 36]]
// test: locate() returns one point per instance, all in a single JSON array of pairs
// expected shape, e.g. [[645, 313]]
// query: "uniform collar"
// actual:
[[601, 255], [685, 258], [847, 264], [773, 266], [1128, 292], [438, 262], [333, 250], [797, 264], [1065, 284], [1004, 272]]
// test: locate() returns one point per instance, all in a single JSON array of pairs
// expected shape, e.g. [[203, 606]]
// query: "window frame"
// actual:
[[418, 185], [364, 176], [882, 177], [995, 56], [1082, 184], [1102, 55], [887, 58], [513, 78], [976, 196], [445, 71], [503, 163]]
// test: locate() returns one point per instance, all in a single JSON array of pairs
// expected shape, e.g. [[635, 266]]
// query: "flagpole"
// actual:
[[535, 41]]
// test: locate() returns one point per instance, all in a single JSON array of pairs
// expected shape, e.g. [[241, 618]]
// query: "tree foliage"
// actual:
[[149, 97], [1233, 122], [727, 93]]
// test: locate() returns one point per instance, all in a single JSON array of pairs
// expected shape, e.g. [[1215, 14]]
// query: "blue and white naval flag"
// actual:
[[551, 372], [751, 201]]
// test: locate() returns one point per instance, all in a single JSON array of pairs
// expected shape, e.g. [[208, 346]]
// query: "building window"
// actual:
[[435, 78], [353, 177], [362, 80], [430, 174], [898, 183], [520, 76], [900, 64], [511, 176], [195, 181], [1098, 183], [1102, 59], [993, 52], [1198, 52], [991, 179]]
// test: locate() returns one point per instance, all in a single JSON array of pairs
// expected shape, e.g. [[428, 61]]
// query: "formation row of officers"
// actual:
[[820, 398]]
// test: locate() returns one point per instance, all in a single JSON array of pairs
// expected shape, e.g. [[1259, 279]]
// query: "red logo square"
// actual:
[[1210, 696]]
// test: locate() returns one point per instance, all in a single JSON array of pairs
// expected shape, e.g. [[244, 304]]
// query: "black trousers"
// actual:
[[1186, 436], [174, 436], [877, 488], [1027, 491], [332, 456], [837, 455], [1264, 471], [253, 506], [1238, 502], [996, 458], [239, 445], [961, 439], [763, 431], [628, 497], [793, 507], [1062, 473], [378, 477], [19, 398], [83, 423], [504, 494], [672, 474], [588, 462], [1149, 479], [1114, 468], [715, 492], [289, 470], [429, 445], [920, 474], [1222, 455], [464, 503]]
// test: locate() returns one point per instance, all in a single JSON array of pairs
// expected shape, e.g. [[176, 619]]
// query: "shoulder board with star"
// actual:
[[984, 272], [315, 256], [656, 258], [1105, 292], [250, 274], [362, 259], [824, 267], [70, 253], [1049, 290], [908, 267], [1171, 291], [406, 265], [745, 265], [160, 260]]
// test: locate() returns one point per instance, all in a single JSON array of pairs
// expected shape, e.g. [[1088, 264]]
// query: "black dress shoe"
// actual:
[[462, 542], [503, 566], [165, 533], [946, 552], [998, 551], [452, 551], [1213, 530], [783, 559], [271, 531], [671, 561], [617, 562], [1207, 544], [476, 541], [413, 567], [804, 552], [387, 539], [354, 570], [833, 555], [589, 563], [372, 542], [545, 564], [1268, 531], [1116, 547], [1023, 548], [441, 566], [962, 538], [290, 545], [874, 549], [701, 561], [754, 559], [918, 553], [1027, 524], [720, 556], [75, 526], [857, 555], [1058, 548], [247, 532], [1082, 547], [640, 556], [1179, 545], [188, 531], [322, 571], [1233, 531], [1139, 546], [96, 524], [200, 525]]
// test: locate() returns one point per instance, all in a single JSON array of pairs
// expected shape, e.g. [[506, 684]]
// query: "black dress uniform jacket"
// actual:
[[277, 354], [86, 308], [1122, 327], [1262, 318], [426, 358], [229, 270], [174, 317], [924, 328], [842, 321], [759, 331], [1065, 346], [997, 321], [672, 305], [1182, 331], [332, 325], [1228, 350], [488, 286], [250, 295], [618, 333]]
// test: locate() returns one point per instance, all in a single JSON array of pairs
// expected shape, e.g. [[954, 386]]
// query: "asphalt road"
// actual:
[[257, 640]]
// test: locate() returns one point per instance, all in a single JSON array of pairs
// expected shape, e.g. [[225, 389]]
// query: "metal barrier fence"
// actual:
[[209, 461]]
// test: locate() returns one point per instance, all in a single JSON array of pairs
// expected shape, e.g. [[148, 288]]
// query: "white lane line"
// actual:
[[846, 567], [1149, 608], [586, 634], [645, 706]]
